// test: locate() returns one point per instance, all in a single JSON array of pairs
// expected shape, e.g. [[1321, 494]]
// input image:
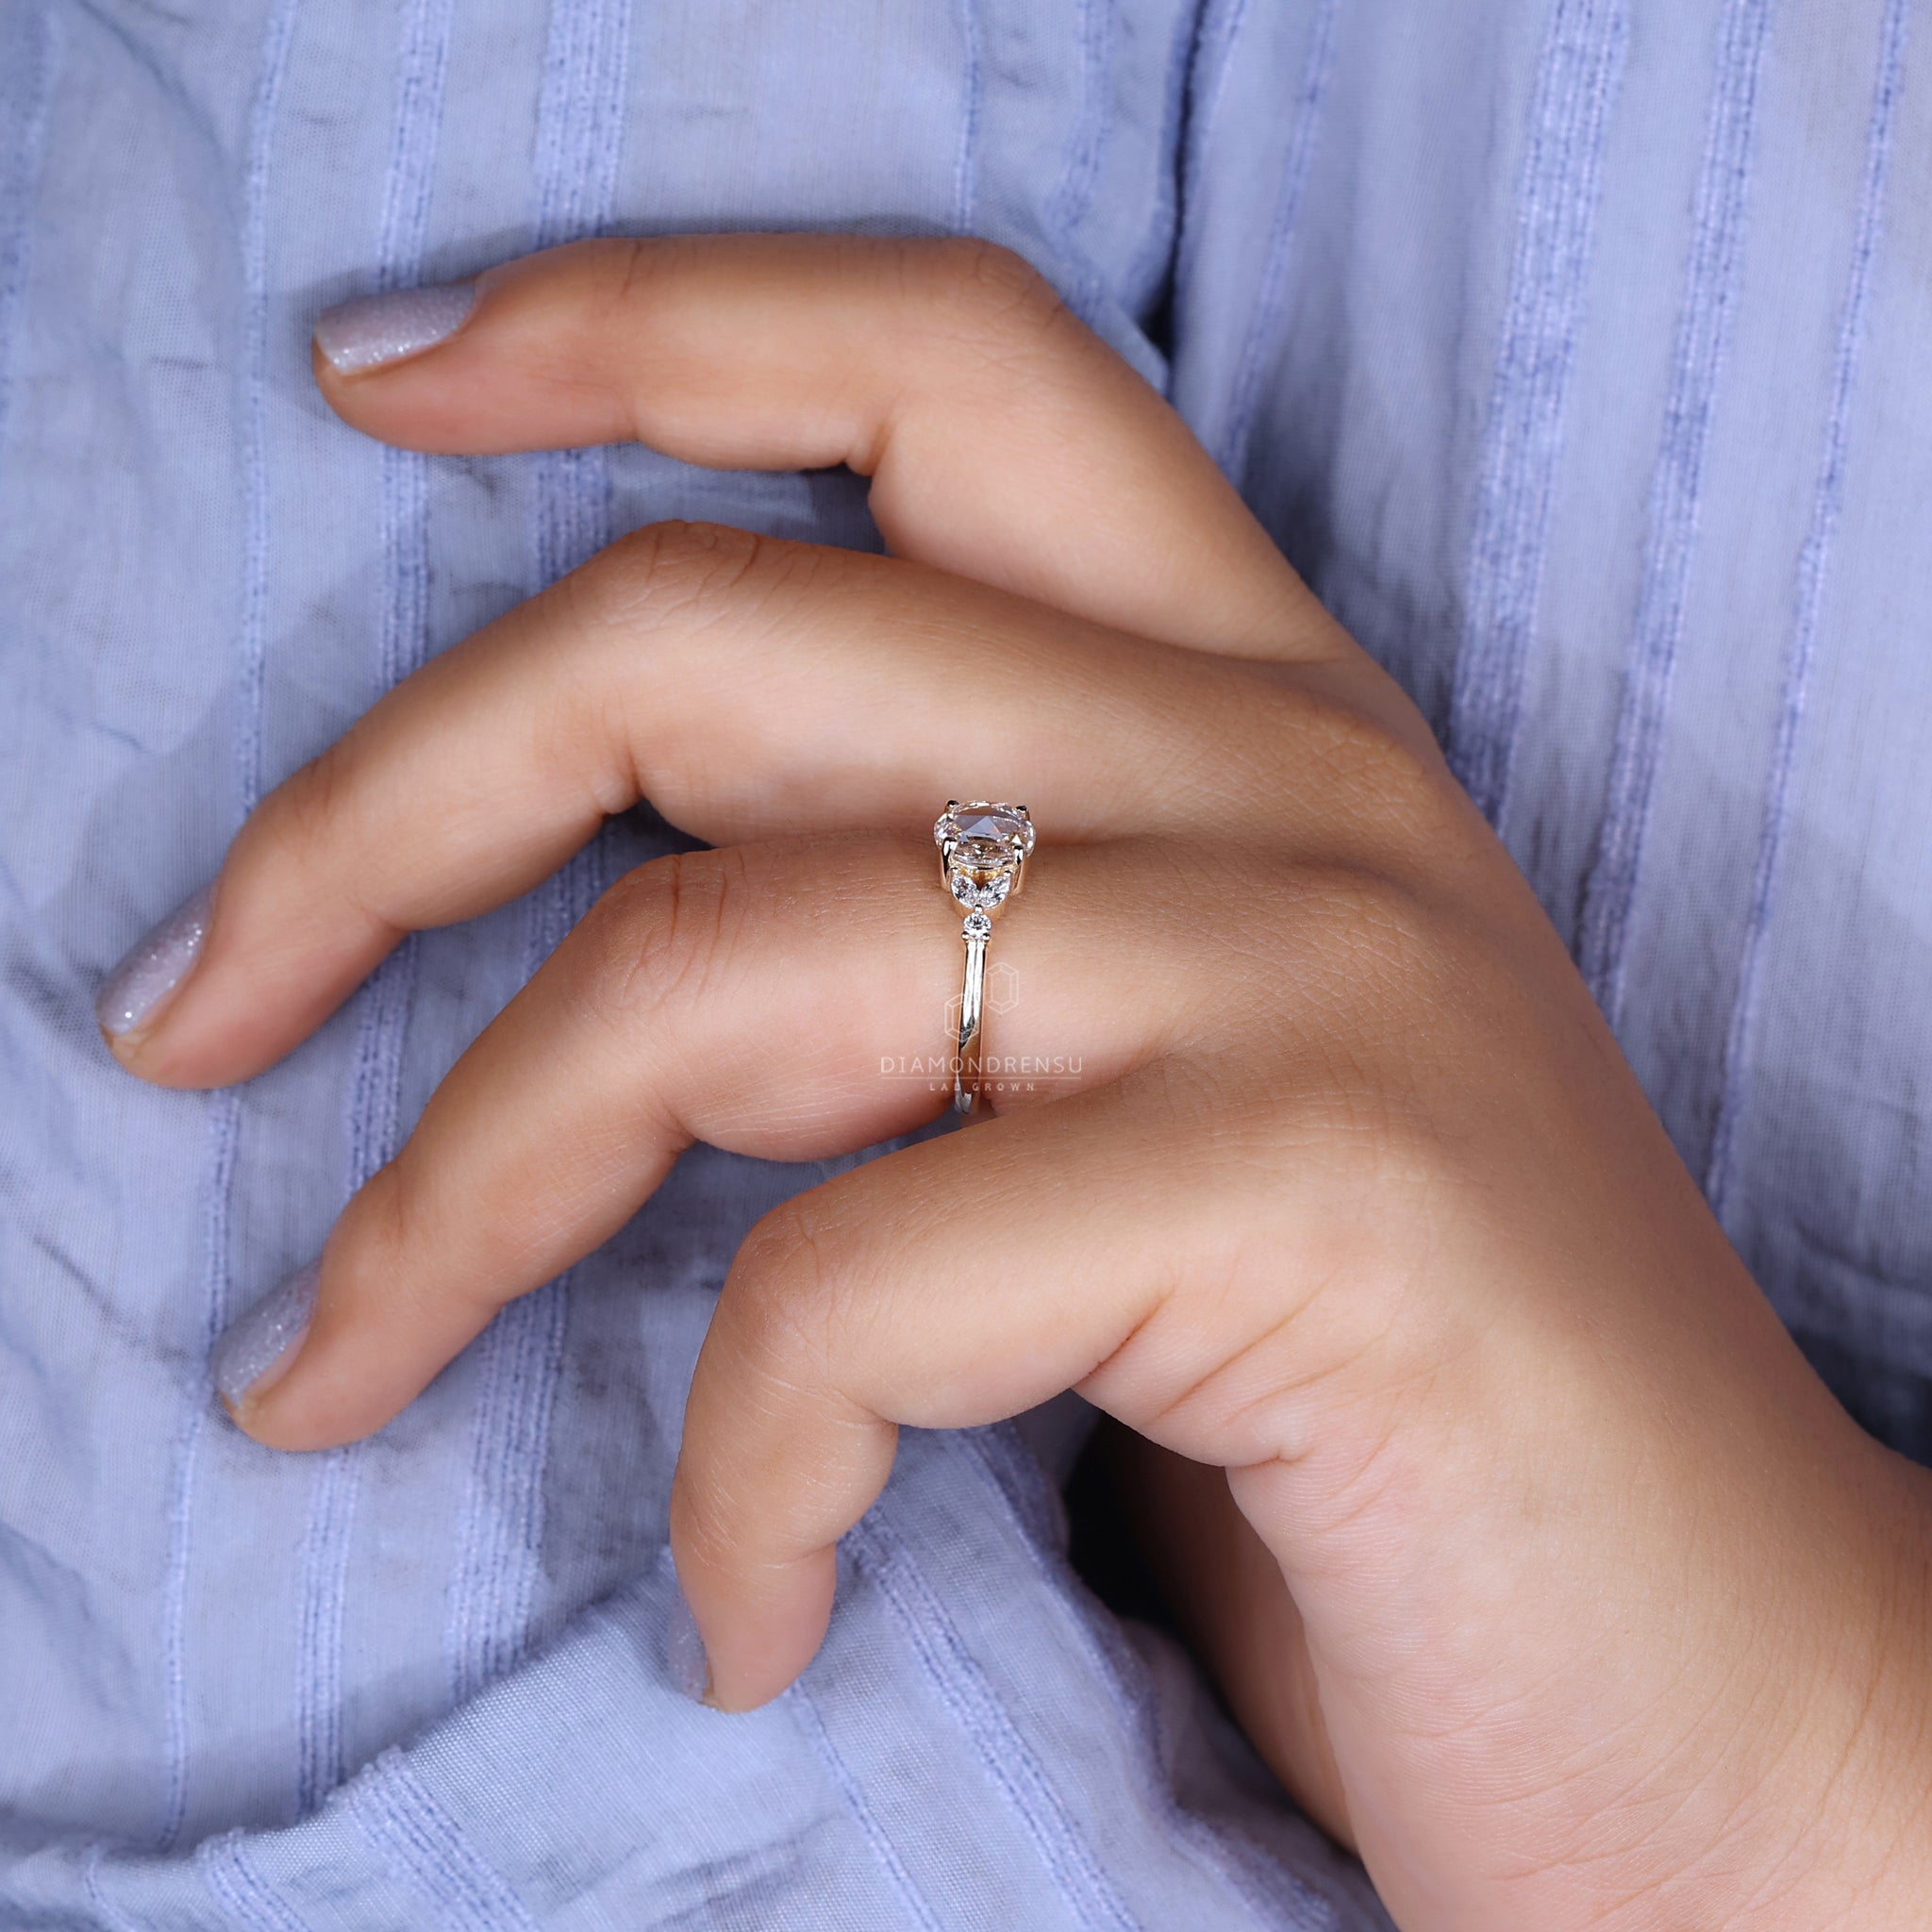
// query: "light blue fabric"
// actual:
[[1579, 351]]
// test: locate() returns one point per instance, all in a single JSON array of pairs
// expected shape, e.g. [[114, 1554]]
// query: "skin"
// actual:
[[1520, 1536]]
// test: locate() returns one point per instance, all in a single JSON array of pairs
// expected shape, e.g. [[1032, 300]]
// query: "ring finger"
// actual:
[[786, 1000]]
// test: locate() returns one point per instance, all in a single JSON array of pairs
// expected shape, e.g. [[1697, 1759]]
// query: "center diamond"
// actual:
[[988, 822], [984, 835]]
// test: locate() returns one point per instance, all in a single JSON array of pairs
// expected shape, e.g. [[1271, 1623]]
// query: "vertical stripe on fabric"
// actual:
[[374, 1089], [1148, 270], [225, 1134], [111, 1916], [240, 1889], [422, 1843], [971, 108], [321, 1610], [852, 1795], [962, 1687], [581, 130], [581, 117], [374, 1131], [255, 378], [1216, 37], [1311, 96], [39, 43], [1676, 496], [225, 1108], [493, 1589], [1556, 204], [494, 1596], [1814, 559], [1084, 158]]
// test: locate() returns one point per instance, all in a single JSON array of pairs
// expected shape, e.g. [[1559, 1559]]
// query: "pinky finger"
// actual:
[[949, 1285]]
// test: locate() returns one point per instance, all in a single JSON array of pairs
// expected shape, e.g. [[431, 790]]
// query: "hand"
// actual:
[[1603, 1613]]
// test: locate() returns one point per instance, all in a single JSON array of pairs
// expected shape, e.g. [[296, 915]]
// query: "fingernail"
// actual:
[[684, 1652], [374, 330], [259, 1347], [155, 969]]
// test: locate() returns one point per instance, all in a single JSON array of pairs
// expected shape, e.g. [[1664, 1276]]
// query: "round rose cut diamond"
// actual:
[[983, 846]]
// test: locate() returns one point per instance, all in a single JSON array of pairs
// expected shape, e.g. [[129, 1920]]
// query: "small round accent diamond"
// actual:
[[978, 925]]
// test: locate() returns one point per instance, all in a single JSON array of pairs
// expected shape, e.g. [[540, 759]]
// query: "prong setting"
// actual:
[[983, 851]]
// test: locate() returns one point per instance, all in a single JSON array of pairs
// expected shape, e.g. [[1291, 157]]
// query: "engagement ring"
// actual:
[[983, 853]]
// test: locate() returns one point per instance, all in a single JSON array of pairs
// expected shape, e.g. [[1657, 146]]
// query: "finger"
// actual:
[[1004, 441], [788, 1001], [751, 689], [951, 1284]]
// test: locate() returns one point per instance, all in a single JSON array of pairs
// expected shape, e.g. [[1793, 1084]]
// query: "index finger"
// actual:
[[1004, 441]]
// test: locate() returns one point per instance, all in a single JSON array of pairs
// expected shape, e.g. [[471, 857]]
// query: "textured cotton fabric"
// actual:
[[1576, 350]]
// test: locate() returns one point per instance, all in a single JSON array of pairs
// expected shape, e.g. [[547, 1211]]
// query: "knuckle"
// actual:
[[784, 1259], [631, 262], [709, 557], [991, 299], [1369, 918], [662, 934], [1389, 973], [971, 268], [318, 817], [312, 804], [784, 1284], [670, 570], [1369, 774], [384, 1220], [396, 1228], [1349, 994]]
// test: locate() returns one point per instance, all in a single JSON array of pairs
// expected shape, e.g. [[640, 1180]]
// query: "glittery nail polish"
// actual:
[[259, 1347], [155, 969], [374, 329]]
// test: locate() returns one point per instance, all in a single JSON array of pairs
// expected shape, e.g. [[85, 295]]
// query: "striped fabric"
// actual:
[[1576, 350]]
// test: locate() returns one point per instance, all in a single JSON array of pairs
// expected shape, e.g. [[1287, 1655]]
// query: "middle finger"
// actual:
[[750, 687]]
